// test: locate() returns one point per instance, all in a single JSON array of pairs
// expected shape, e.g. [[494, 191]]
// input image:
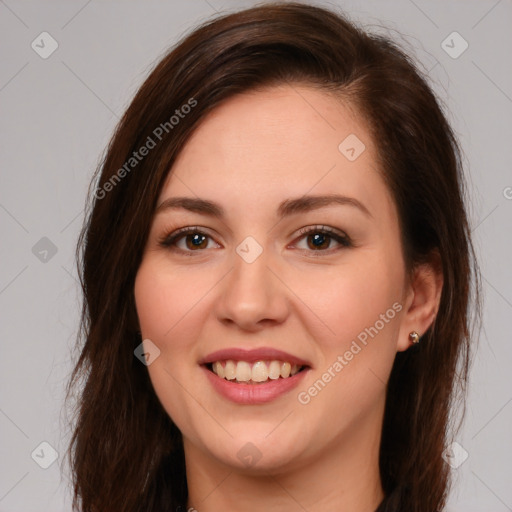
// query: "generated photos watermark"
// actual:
[[151, 142], [305, 397]]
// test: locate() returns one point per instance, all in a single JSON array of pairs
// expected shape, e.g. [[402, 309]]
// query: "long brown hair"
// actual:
[[125, 453]]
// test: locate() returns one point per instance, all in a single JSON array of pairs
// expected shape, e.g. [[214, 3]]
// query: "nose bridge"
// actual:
[[252, 293]]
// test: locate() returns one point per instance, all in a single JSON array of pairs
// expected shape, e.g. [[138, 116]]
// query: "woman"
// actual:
[[277, 271]]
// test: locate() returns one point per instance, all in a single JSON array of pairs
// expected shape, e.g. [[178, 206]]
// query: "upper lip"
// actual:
[[251, 356]]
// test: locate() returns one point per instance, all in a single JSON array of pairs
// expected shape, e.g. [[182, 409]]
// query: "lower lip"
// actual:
[[252, 394]]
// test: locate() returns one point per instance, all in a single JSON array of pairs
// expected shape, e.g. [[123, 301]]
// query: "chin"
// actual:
[[261, 453]]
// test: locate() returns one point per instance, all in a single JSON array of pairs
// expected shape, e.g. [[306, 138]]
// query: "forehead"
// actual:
[[280, 141]]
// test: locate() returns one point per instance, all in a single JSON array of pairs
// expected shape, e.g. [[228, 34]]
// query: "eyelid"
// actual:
[[322, 228], [340, 237], [171, 236]]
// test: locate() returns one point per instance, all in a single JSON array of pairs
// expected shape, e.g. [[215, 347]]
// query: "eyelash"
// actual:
[[169, 241]]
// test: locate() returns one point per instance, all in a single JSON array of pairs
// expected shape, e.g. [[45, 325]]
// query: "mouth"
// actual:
[[259, 372], [254, 376]]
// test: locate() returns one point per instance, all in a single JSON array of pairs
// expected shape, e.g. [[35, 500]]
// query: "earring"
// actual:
[[414, 337]]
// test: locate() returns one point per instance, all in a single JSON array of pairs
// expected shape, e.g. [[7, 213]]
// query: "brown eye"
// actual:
[[318, 241], [196, 241], [193, 238], [320, 238]]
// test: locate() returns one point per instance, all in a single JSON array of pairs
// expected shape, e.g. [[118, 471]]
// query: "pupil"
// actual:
[[318, 238], [196, 240]]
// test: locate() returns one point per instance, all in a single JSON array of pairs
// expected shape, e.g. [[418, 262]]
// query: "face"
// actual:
[[254, 277]]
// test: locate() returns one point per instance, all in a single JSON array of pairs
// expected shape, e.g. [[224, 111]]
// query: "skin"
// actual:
[[249, 154]]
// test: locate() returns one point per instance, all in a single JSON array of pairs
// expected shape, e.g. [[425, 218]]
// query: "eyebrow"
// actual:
[[286, 208]]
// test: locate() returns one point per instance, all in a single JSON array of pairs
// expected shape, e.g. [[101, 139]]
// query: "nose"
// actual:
[[252, 296]]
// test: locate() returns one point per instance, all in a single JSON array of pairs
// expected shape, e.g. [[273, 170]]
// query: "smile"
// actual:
[[252, 377], [255, 373]]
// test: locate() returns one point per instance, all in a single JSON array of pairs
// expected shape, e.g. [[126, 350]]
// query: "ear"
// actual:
[[421, 302]]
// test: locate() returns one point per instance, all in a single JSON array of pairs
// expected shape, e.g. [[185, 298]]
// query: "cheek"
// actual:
[[360, 309], [165, 308], [163, 301], [352, 297], [162, 306]]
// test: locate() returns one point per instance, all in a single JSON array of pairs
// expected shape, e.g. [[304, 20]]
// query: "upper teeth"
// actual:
[[259, 371]]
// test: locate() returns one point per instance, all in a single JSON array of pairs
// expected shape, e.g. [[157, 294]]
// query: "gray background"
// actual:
[[57, 115]]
